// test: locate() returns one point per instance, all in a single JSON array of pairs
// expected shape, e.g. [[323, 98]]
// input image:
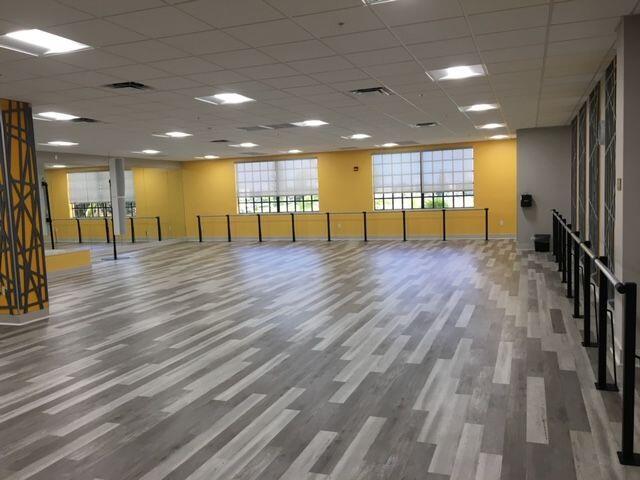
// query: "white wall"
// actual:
[[544, 170]]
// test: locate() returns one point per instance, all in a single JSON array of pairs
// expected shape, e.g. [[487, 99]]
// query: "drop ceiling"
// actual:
[[299, 59]]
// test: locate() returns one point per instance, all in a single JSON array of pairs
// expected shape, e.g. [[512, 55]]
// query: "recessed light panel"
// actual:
[[211, 157], [178, 134], [491, 126], [38, 42], [310, 123], [458, 73], [357, 136], [499, 137], [480, 107], [64, 117], [295, 150], [148, 151], [61, 143], [389, 145], [244, 145], [225, 99]]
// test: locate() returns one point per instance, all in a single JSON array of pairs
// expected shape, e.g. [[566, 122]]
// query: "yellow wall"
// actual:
[[209, 189], [158, 192], [68, 260]]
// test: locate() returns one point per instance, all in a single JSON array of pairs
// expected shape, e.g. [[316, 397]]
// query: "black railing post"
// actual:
[[404, 226], [259, 229], [568, 250], [113, 232], [576, 277], [228, 228], [561, 247], [159, 229], [586, 293], [554, 232], [49, 218], [199, 228], [486, 224], [603, 301], [626, 455], [79, 230], [106, 229], [133, 230], [364, 224], [328, 227], [293, 228], [444, 224]]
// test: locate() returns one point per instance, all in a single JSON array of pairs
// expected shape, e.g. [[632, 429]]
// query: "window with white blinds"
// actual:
[[427, 179], [89, 187], [89, 194], [277, 186]]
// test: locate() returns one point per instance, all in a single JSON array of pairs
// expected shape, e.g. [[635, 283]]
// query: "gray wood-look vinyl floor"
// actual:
[[311, 361]]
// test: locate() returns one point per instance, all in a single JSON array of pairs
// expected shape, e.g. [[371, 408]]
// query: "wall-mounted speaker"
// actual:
[[526, 200]]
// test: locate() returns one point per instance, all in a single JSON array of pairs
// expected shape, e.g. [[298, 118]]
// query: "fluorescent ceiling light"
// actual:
[[480, 107], [57, 116], [499, 137], [211, 157], [310, 123], [357, 136], [491, 126], [295, 150], [376, 2], [149, 151], [245, 145], [61, 143], [56, 166], [225, 99], [178, 134], [458, 73], [37, 42], [389, 145]]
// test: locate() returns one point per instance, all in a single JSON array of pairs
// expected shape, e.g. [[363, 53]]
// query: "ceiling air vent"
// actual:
[[256, 128], [372, 91], [85, 120], [427, 124], [220, 141], [133, 85], [376, 2], [279, 126]]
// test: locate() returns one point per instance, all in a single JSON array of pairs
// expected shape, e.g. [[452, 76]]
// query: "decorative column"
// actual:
[[24, 296]]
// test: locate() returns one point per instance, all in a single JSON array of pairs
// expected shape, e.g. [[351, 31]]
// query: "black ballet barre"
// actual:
[[568, 250], [107, 230], [328, 215]]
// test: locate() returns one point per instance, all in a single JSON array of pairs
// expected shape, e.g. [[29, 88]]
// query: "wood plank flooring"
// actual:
[[310, 361]]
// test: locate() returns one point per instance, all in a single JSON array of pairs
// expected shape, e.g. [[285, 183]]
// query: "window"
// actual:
[[90, 197], [278, 186], [429, 179]]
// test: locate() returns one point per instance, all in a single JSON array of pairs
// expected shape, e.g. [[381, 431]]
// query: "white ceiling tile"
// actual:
[[145, 51], [101, 8], [94, 59], [269, 33], [229, 13], [310, 90], [41, 67], [39, 13], [514, 38], [558, 66], [89, 79], [484, 6], [579, 10], [380, 57], [574, 31], [290, 82], [597, 46], [321, 64], [456, 46], [341, 75], [202, 43], [305, 7], [451, 61], [433, 31], [509, 19], [137, 72], [240, 58], [509, 54], [213, 78], [515, 65], [186, 66], [340, 22], [160, 22], [363, 41], [96, 33], [172, 83], [413, 11], [267, 71], [305, 50]]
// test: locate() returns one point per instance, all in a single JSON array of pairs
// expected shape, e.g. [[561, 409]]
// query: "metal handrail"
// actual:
[[106, 221], [564, 241]]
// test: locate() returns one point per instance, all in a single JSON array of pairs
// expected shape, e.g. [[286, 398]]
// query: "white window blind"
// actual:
[[447, 170], [280, 177], [396, 172], [441, 170], [91, 187]]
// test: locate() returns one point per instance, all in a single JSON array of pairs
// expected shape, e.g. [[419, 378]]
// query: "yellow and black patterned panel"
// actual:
[[22, 262]]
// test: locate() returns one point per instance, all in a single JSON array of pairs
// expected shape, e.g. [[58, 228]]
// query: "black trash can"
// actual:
[[541, 242]]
